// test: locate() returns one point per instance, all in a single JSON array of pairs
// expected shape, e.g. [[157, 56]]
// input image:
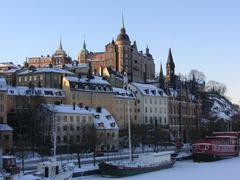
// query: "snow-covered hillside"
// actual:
[[221, 108]]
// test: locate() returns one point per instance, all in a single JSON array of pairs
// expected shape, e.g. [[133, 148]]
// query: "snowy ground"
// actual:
[[188, 170]]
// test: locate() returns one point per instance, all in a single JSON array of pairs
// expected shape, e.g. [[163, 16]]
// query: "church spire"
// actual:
[[170, 58], [84, 44], [147, 50], [123, 21], [161, 77], [161, 70], [60, 45]]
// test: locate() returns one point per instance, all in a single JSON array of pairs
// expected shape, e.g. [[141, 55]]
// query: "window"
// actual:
[[71, 118], [58, 139], [100, 124], [19, 79], [1, 97], [146, 119], [41, 77], [1, 108], [84, 119], [89, 119], [160, 120], [25, 78], [58, 118], [35, 78], [78, 138], [65, 118], [30, 78], [78, 119], [6, 137], [97, 116], [112, 124], [165, 120], [145, 109], [109, 117], [65, 139]]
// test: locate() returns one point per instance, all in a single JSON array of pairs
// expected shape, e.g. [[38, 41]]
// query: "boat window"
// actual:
[[57, 169], [46, 172]]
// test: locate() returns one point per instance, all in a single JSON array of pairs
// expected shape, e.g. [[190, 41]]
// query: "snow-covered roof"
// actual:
[[63, 108], [94, 80], [120, 92], [45, 70], [82, 65], [46, 92], [5, 127], [9, 65], [149, 90], [102, 119]]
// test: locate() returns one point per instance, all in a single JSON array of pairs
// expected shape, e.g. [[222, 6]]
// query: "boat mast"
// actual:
[[54, 136], [129, 134]]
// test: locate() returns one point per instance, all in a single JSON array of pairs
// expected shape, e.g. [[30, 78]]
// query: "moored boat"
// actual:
[[145, 163], [219, 145]]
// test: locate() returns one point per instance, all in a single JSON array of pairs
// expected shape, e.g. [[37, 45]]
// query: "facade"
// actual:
[[97, 92], [3, 101], [152, 104], [49, 77], [6, 138], [185, 107], [92, 92], [125, 107], [72, 122], [123, 57], [58, 59], [8, 71], [184, 115]]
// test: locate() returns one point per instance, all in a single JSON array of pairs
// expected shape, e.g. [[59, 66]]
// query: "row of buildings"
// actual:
[[99, 91]]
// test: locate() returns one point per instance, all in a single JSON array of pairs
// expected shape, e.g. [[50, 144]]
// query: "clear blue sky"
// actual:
[[203, 34]]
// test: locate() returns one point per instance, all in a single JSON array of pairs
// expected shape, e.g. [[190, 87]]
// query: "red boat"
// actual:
[[219, 145]]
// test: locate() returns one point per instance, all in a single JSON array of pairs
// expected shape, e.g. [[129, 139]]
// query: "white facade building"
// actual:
[[152, 104], [73, 123]]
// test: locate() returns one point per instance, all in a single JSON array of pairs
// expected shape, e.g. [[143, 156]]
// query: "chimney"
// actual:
[[80, 105], [74, 106], [99, 109]]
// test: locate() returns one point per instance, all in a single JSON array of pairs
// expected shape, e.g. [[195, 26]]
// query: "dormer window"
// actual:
[[109, 117], [112, 124], [160, 92], [154, 92], [97, 116], [101, 124], [146, 91], [86, 87]]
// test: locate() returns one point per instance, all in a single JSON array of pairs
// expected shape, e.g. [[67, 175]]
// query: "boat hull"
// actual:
[[107, 169]]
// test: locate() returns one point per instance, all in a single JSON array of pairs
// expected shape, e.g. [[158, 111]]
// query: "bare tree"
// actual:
[[216, 87], [198, 75]]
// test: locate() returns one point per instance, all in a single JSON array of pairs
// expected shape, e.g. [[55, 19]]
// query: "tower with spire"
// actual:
[[161, 77], [82, 55], [123, 44], [60, 57], [170, 69]]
